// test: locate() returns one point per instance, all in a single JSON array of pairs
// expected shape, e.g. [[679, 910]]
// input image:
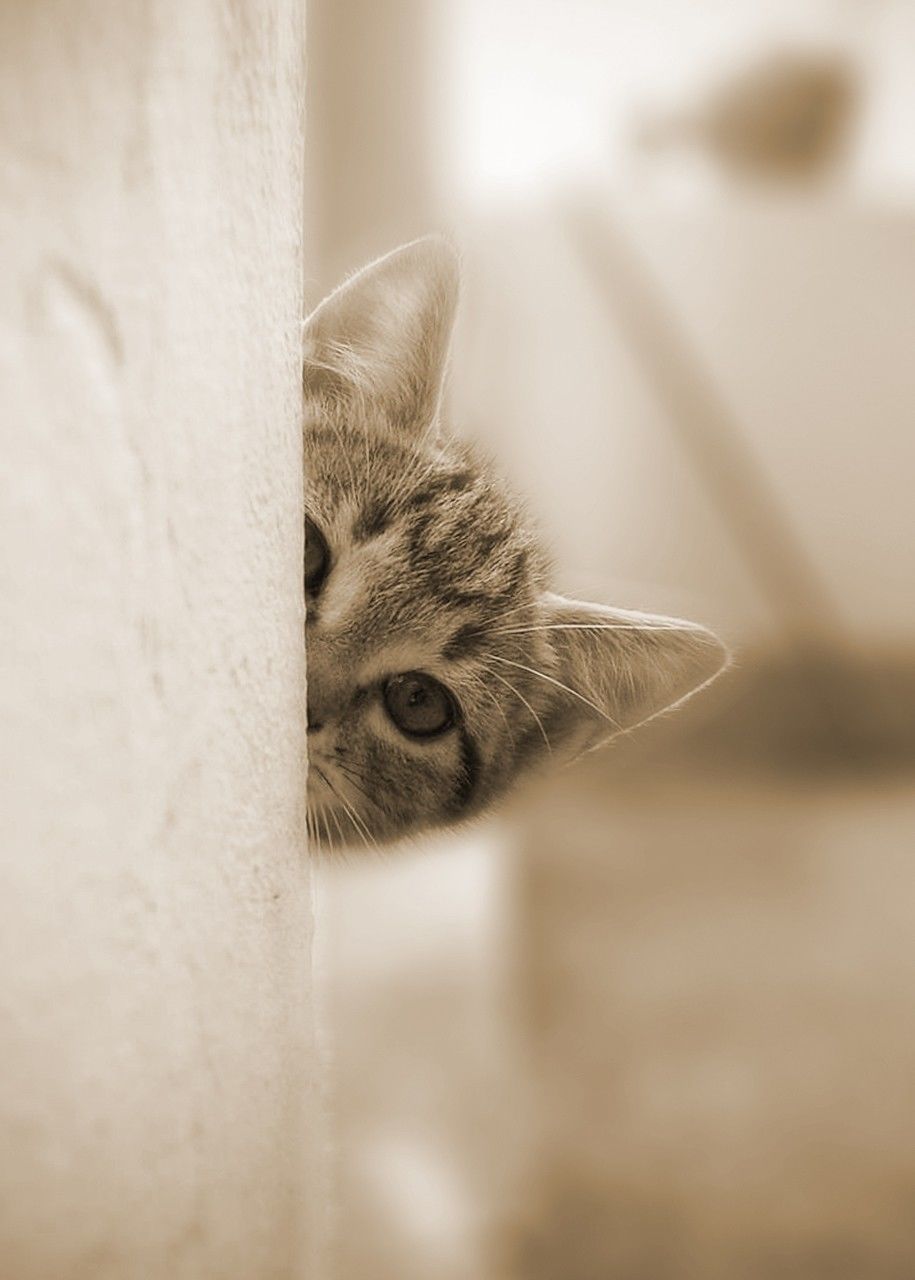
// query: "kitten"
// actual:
[[440, 666]]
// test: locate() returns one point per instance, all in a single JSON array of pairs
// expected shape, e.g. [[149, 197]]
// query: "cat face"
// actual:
[[440, 666]]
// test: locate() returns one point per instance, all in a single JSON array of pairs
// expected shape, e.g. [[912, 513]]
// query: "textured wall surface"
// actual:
[[155, 903]]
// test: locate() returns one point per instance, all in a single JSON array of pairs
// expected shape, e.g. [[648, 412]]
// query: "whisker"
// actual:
[[498, 706], [477, 683], [333, 814], [357, 817], [330, 815], [599, 626], [314, 831], [489, 627], [357, 780], [324, 778], [354, 818], [521, 698], [501, 710], [559, 685], [356, 822], [322, 813]]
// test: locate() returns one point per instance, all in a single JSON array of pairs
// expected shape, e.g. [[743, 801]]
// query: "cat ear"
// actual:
[[624, 668], [380, 341]]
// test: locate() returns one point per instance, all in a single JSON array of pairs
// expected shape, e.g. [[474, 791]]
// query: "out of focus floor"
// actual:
[[721, 1027], [658, 1023]]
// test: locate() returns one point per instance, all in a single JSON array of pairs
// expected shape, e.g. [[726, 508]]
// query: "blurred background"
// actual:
[[656, 1019]]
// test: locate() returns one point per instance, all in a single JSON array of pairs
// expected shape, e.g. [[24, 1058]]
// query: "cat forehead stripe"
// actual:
[[466, 641], [375, 518]]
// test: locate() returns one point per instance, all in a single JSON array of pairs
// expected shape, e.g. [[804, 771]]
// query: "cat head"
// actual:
[[441, 667]]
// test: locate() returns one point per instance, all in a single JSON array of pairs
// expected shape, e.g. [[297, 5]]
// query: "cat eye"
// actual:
[[419, 705], [317, 557]]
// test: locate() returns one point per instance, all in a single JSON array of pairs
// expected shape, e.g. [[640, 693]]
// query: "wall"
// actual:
[[156, 1108]]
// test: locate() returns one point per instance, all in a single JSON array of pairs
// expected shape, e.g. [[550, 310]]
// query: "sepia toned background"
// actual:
[[656, 1019]]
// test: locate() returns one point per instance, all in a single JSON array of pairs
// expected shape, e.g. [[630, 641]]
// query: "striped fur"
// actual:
[[433, 568]]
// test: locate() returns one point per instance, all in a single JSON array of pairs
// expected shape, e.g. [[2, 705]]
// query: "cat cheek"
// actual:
[[317, 791]]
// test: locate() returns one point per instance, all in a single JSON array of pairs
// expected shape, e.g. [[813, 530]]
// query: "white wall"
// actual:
[[155, 918]]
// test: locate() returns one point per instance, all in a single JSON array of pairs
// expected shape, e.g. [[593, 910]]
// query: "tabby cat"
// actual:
[[441, 667]]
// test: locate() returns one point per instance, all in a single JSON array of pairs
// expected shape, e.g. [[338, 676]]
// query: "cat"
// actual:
[[441, 666]]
